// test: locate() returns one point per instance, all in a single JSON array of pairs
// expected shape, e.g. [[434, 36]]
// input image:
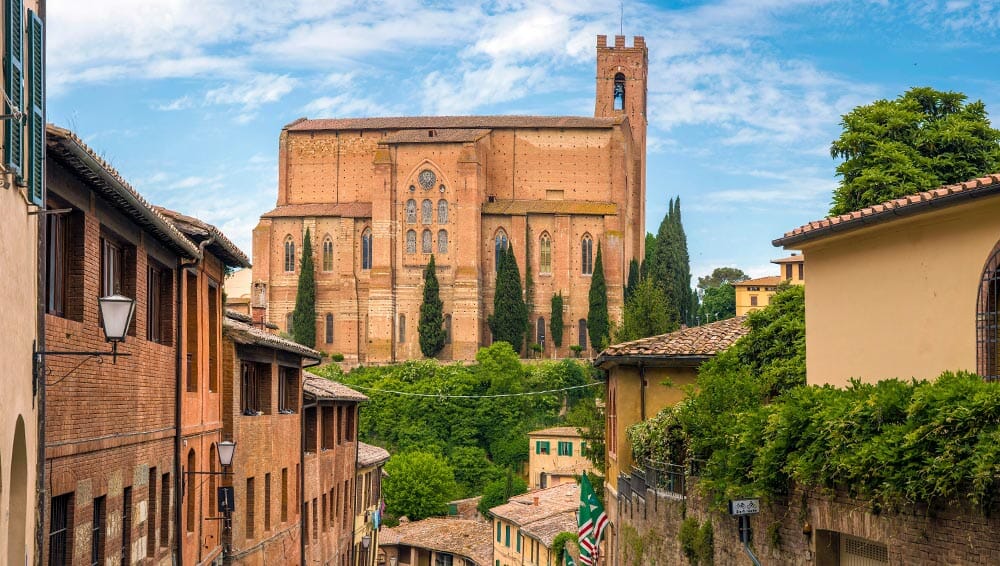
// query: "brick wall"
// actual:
[[329, 481]]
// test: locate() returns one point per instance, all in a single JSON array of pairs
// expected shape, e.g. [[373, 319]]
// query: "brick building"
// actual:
[[380, 195], [330, 454], [110, 428], [261, 413], [371, 459]]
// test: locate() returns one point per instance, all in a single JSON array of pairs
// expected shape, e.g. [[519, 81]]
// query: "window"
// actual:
[[112, 267], [565, 448], [506, 536], [500, 243], [151, 496], [426, 211], [788, 272], [612, 441], [327, 254], [349, 427], [310, 432], [284, 494], [402, 328], [329, 328], [329, 428], [126, 549], [545, 254], [802, 269], [518, 548], [340, 424], [159, 300], [250, 508], [366, 249], [191, 318], [305, 523], [325, 511], [442, 211], [541, 447], [582, 333], [64, 267], [619, 92], [411, 241], [60, 537], [988, 320], [288, 390], [444, 560], [255, 389], [587, 255], [442, 241], [411, 211], [540, 331], [447, 329], [164, 510], [315, 521], [191, 490], [289, 254], [98, 531], [289, 319], [214, 333], [426, 246], [753, 300], [267, 502]]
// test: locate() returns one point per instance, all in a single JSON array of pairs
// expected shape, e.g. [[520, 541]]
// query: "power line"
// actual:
[[498, 395]]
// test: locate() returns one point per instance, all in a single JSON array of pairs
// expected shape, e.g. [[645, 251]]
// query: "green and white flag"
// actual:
[[591, 522], [569, 559]]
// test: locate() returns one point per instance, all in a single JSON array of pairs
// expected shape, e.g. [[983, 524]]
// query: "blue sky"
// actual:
[[187, 97]]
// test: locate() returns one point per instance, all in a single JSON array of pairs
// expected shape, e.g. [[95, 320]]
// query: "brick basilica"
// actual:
[[380, 195]]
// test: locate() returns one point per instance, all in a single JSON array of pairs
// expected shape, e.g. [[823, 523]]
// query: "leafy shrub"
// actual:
[[688, 535], [338, 357]]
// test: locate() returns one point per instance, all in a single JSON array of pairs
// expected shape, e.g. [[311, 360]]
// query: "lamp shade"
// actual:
[[366, 541], [116, 316], [226, 450]]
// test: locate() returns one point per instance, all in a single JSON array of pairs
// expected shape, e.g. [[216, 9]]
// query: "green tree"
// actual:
[[510, 315], [921, 139], [598, 325], [473, 469], [670, 263], [647, 313], [633, 278], [588, 418], [556, 320], [418, 485], [720, 276], [431, 327], [304, 315], [649, 258], [718, 303], [499, 491]]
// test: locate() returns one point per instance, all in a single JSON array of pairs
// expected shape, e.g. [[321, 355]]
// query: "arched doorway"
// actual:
[[18, 486], [988, 319]]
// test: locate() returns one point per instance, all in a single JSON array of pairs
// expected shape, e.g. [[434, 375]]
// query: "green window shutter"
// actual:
[[36, 102], [498, 530], [519, 541], [506, 536], [13, 84], [569, 448], [583, 448], [538, 447]]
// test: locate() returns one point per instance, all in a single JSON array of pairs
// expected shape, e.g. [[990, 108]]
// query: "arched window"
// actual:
[[545, 253], [411, 241], [366, 249], [327, 254], [988, 320], [289, 254], [582, 333], [500, 244], [447, 329], [427, 211], [191, 493], [619, 92], [540, 331], [587, 255], [402, 328], [426, 245], [329, 328], [288, 323], [442, 211], [411, 211], [442, 241]]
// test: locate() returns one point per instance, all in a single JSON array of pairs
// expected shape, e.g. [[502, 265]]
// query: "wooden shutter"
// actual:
[[36, 107], [13, 81]]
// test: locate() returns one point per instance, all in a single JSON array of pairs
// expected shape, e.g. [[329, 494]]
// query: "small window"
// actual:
[[541, 447], [250, 508], [500, 243], [126, 548], [988, 319], [191, 492], [159, 303], [411, 241], [329, 328], [329, 428], [442, 211], [753, 300], [214, 335], [311, 429], [328, 254], [98, 534], [411, 211], [255, 389], [366, 249], [447, 329], [540, 331], [442, 241], [565, 448], [402, 328], [289, 318], [788, 272], [288, 390], [582, 333], [426, 245], [802, 269], [427, 211], [267, 502], [545, 254], [64, 252], [60, 535], [289, 254], [619, 91], [506, 536], [587, 255]]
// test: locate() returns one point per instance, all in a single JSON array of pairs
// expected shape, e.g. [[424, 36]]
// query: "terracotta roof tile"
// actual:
[[198, 231], [794, 258], [243, 333], [460, 135], [546, 530], [457, 122], [705, 340], [556, 431], [369, 455], [461, 537], [344, 210], [520, 207], [329, 390], [769, 281], [910, 204], [521, 509]]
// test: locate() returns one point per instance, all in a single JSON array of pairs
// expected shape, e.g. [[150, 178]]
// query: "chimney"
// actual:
[[536, 501]]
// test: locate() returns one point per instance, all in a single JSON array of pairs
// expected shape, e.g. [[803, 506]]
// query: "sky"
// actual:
[[186, 98]]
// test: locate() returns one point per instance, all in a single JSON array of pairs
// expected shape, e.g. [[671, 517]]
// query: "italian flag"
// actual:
[[591, 520]]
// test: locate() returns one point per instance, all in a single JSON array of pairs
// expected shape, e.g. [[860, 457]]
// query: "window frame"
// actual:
[[442, 242], [289, 250], [587, 255], [366, 249], [545, 254], [327, 254]]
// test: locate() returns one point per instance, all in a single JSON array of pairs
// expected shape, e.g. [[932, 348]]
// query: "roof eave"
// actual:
[[652, 360]]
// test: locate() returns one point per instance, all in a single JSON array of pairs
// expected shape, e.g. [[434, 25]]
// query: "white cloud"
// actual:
[[182, 103], [257, 91]]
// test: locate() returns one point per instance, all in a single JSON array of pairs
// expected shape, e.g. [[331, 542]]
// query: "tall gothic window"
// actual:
[[426, 244], [289, 254], [447, 329], [402, 328], [442, 241], [329, 328], [427, 211], [619, 92], [540, 331], [442, 211], [582, 333], [500, 244], [366, 249], [545, 254], [327, 254], [411, 241], [411, 211], [587, 255], [988, 320]]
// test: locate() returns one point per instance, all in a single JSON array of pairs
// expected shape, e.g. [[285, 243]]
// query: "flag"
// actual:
[[569, 559], [592, 520]]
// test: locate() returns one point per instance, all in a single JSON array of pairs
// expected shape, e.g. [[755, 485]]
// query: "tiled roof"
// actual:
[[794, 258], [546, 530], [199, 231], [521, 207], [460, 122], [243, 333], [889, 210], [698, 341], [238, 316], [521, 509], [461, 537], [71, 152], [769, 281], [460, 135], [343, 210], [329, 390], [556, 431], [369, 455]]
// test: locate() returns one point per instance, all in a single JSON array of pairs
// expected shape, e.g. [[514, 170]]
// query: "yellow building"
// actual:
[[369, 485], [755, 294], [556, 456], [523, 527], [906, 288], [237, 288]]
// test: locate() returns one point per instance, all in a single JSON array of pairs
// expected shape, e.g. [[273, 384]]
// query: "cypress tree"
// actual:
[[510, 315], [556, 321], [633, 278], [304, 315], [687, 304], [431, 326], [597, 316]]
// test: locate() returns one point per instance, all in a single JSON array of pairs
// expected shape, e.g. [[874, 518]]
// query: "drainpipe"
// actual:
[[357, 458], [642, 391], [178, 383], [304, 503], [40, 491]]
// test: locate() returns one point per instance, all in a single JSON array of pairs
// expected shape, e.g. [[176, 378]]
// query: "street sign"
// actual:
[[744, 506]]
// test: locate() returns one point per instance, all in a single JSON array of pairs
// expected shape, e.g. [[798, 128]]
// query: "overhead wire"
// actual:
[[494, 396]]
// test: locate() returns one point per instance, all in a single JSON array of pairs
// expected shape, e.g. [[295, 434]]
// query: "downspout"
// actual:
[[304, 503], [40, 491], [642, 391]]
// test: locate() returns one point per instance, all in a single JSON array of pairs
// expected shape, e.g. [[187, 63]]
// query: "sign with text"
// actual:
[[744, 506]]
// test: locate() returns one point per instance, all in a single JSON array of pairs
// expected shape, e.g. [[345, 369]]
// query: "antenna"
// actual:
[[621, 18]]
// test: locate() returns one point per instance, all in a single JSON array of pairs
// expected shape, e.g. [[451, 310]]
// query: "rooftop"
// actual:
[[696, 343], [545, 530], [947, 195], [199, 231], [521, 207], [342, 210], [329, 390], [456, 536], [557, 431], [459, 135], [451, 122], [794, 258], [769, 281], [522, 510], [369, 455], [244, 333]]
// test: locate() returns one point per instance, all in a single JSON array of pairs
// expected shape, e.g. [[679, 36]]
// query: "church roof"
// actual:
[[342, 209], [451, 122], [459, 135], [522, 207]]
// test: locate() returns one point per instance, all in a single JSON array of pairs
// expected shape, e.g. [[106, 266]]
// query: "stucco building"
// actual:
[[434, 541], [755, 294], [380, 195], [524, 525], [555, 456]]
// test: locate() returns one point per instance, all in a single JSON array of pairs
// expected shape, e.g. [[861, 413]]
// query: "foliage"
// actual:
[[473, 469], [687, 535], [510, 314], [304, 315], [922, 139], [431, 329], [669, 264], [649, 258], [337, 357], [588, 418], [717, 303], [556, 320], [497, 492], [721, 276], [597, 316], [576, 349], [704, 544], [418, 485], [633, 278], [559, 543], [647, 313]]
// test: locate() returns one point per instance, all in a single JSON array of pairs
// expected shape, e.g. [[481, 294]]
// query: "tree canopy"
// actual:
[[431, 328], [498, 491], [556, 320], [721, 276], [509, 320], [598, 325], [418, 485], [921, 139], [304, 315], [647, 313], [717, 303], [669, 263]]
